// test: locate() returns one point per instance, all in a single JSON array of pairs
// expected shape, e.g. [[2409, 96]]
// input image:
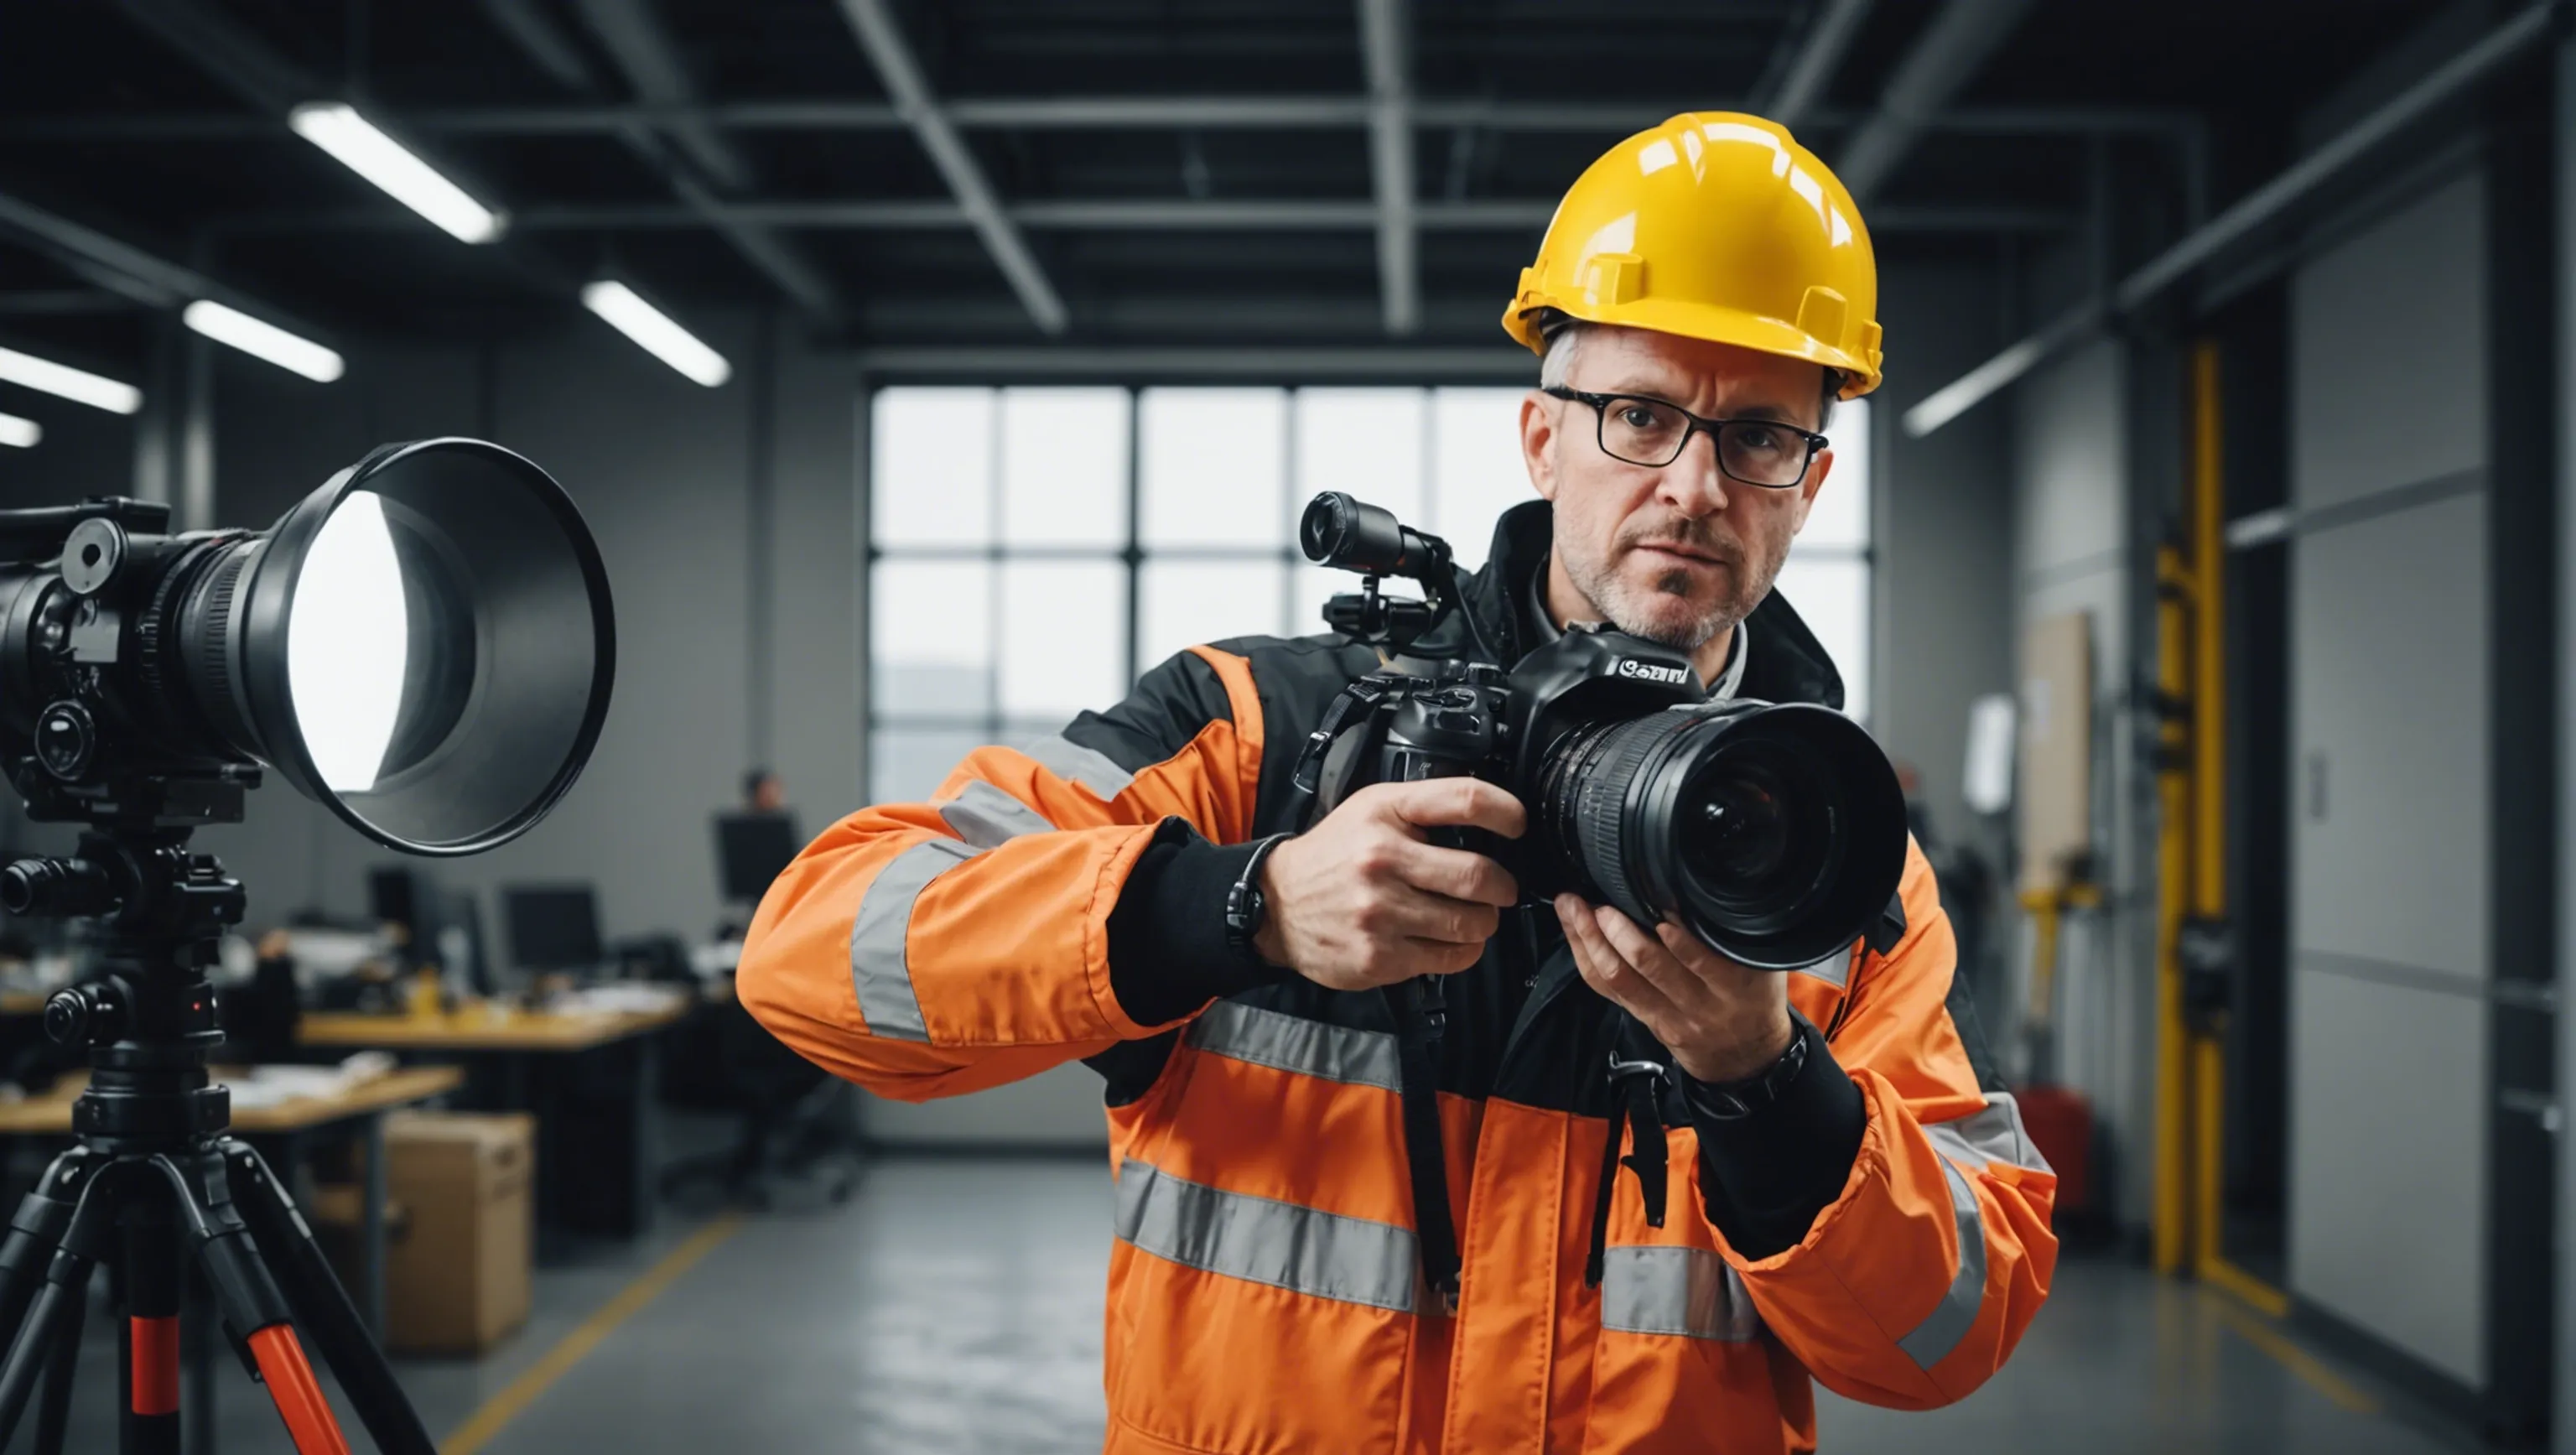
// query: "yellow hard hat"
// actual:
[[1714, 225]]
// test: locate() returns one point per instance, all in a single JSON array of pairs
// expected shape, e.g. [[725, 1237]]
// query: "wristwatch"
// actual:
[[1246, 907], [1729, 1101]]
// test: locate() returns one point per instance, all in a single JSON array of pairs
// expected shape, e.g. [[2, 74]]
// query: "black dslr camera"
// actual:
[[1775, 832]]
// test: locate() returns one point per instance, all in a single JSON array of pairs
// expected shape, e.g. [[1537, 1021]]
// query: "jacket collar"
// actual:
[[1785, 663]]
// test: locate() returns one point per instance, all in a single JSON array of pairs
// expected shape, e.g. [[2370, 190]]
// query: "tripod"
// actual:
[[155, 1177]]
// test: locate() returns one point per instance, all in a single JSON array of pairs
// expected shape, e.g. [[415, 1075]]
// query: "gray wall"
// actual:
[[2389, 910], [1943, 533], [2072, 508]]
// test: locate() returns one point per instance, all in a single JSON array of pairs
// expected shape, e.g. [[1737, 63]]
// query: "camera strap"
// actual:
[[1637, 1119], [1421, 1012]]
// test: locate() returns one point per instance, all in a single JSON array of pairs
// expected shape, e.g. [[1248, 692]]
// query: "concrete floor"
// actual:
[[956, 1306]]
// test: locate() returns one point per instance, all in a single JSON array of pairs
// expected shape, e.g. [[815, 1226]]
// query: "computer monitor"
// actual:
[[552, 927], [752, 849], [461, 945], [400, 895]]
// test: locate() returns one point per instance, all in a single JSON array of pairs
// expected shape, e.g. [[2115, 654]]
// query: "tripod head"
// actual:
[[149, 1020]]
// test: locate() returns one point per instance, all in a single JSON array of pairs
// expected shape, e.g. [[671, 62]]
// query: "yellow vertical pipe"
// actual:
[[2171, 1240], [2209, 647], [2208, 775]]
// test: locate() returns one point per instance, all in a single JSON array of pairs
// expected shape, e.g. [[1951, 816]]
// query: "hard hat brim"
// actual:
[[1686, 319]]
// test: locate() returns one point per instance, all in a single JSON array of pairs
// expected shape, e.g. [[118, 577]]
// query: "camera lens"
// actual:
[[1774, 833], [1737, 831]]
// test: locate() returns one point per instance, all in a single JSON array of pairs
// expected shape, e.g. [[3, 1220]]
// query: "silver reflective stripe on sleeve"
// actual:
[[989, 817], [1992, 1135], [1949, 1321], [1293, 1043], [1688, 1292], [877, 966], [1300, 1249], [1075, 763]]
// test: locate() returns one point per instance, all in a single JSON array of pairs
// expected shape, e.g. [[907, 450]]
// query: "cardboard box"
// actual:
[[456, 1280]]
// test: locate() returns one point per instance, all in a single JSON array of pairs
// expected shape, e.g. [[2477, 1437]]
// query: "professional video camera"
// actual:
[[425, 646], [1775, 832]]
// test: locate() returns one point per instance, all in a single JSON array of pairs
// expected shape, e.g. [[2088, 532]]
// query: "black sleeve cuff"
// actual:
[[1767, 1175], [1168, 954]]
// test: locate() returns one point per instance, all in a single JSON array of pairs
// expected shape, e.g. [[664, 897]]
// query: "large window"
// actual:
[[1033, 550]]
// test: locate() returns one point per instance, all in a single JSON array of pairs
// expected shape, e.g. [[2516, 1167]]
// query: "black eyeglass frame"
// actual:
[[1717, 447]]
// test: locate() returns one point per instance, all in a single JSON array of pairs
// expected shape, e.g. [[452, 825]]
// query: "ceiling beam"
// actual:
[[1268, 363], [270, 86], [1105, 215], [1950, 52], [2264, 207], [645, 55], [126, 270], [878, 34], [1810, 71], [1385, 35], [1090, 113]]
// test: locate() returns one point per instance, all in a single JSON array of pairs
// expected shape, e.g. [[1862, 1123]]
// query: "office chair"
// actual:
[[791, 1127]]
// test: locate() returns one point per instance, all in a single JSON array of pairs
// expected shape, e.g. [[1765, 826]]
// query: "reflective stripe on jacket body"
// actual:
[[1264, 1286]]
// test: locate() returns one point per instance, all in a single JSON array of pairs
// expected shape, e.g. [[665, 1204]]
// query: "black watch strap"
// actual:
[[1729, 1101], [1246, 907]]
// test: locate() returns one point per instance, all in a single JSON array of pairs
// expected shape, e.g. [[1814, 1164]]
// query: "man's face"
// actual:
[[1678, 553]]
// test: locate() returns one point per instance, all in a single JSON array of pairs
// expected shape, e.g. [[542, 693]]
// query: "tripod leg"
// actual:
[[54, 1406], [66, 1283], [155, 1287], [253, 1309], [37, 1230], [324, 1306]]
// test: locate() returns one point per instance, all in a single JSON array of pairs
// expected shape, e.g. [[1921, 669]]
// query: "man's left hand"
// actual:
[[1722, 1021]]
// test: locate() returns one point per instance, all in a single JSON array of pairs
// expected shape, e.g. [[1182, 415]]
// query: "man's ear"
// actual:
[[1817, 469], [1538, 442]]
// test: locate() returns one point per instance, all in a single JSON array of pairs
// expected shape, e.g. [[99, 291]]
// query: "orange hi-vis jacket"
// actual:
[[1883, 1228]]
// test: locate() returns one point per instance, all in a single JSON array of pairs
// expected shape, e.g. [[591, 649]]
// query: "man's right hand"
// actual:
[[1365, 899]]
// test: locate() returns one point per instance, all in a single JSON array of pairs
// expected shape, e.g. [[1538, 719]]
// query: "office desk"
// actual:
[[479, 1030], [535, 1054]]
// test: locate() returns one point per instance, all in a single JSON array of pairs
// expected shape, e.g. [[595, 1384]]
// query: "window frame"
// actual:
[[1131, 555]]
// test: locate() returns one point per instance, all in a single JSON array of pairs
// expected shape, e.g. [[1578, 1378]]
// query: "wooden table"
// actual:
[[475, 1029], [518, 1039], [284, 1123]]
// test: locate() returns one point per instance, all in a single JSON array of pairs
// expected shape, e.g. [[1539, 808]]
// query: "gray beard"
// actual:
[[1620, 604]]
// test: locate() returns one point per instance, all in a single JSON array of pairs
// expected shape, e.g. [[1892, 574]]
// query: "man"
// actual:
[[1855, 1201]]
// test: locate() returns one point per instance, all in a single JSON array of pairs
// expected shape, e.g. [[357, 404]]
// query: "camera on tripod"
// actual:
[[1774, 832], [425, 646]]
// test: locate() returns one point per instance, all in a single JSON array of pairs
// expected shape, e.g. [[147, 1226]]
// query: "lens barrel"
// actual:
[[1776, 833], [1350, 534]]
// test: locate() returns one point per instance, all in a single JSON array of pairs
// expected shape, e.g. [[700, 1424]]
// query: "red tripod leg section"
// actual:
[[299, 1399], [156, 1365]]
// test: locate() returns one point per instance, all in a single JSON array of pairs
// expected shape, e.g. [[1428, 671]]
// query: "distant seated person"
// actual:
[[762, 792]]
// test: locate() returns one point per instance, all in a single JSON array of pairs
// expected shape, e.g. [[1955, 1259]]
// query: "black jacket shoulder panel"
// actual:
[[1170, 706], [1297, 679]]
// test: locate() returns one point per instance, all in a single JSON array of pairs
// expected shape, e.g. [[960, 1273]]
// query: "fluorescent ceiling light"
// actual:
[[75, 384], [264, 340], [653, 329], [20, 432], [337, 128]]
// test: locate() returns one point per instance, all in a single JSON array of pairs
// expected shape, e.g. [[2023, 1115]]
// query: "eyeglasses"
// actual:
[[1653, 433]]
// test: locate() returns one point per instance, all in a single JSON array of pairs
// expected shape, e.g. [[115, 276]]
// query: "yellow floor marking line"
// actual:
[[510, 1403], [2298, 1361]]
